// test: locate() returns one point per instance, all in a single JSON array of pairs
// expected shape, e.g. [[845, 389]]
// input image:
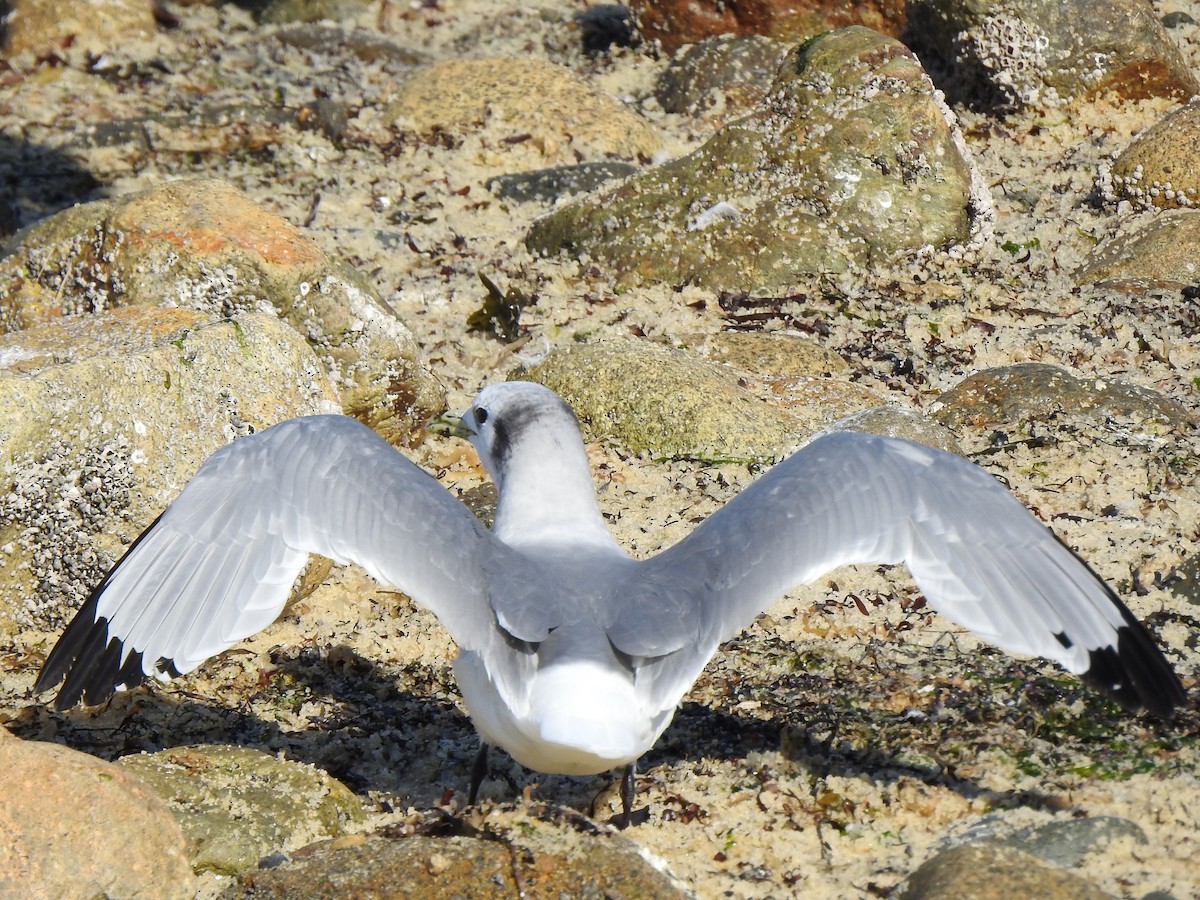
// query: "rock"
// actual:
[[276, 12], [850, 159], [104, 418], [1161, 166], [550, 860], [236, 805], [1040, 392], [674, 23], [1068, 843], [897, 422], [1041, 52], [990, 872], [557, 116], [203, 245], [1163, 253], [769, 354], [44, 27], [547, 185], [671, 404], [732, 73], [364, 43], [76, 826]]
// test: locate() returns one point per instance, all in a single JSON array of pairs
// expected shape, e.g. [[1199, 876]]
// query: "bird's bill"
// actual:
[[450, 424]]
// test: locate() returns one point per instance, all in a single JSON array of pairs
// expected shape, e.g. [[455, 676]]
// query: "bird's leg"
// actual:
[[628, 791], [478, 771]]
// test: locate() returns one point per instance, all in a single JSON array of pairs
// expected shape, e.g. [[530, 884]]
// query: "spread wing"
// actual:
[[219, 564], [978, 555]]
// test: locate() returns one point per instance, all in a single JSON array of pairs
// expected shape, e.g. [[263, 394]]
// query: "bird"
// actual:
[[573, 655]]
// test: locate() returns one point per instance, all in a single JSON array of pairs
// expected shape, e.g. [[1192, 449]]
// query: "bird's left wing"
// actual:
[[978, 555], [219, 563]]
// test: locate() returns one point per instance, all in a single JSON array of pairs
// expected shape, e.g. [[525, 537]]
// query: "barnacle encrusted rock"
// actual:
[[850, 159], [1040, 52], [104, 418], [1161, 166], [203, 245]]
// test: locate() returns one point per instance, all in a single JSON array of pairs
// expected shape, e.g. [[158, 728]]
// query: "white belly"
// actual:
[[578, 718]]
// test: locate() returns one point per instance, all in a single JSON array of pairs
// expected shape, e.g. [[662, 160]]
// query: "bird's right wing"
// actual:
[[978, 555], [219, 563]]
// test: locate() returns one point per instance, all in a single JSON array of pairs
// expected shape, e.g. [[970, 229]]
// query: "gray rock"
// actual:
[[205, 246], [1068, 843], [1041, 52], [547, 185], [850, 159], [280, 11], [1163, 253], [897, 422], [1039, 392], [991, 872], [76, 826], [236, 805], [671, 404], [102, 420]]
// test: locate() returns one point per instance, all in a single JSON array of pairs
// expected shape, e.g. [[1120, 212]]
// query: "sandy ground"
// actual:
[[826, 752]]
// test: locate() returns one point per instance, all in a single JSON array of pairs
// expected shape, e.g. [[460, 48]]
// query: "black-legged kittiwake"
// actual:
[[572, 656]]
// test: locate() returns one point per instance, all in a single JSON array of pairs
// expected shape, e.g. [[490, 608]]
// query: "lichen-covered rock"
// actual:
[[82, 26], [561, 117], [672, 404], [1163, 253], [1041, 52], [1039, 392], [103, 419], [673, 23], [236, 805], [1161, 166], [203, 245], [850, 159], [76, 826], [532, 854]]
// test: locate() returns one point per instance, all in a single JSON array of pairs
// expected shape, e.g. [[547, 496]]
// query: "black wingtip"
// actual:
[[1135, 674]]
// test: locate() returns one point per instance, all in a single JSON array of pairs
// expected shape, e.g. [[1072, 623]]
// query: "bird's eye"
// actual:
[[481, 416]]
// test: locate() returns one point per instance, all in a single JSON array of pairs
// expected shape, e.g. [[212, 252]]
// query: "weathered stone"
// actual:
[[1040, 392], [668, 403], [76, 826], [1162, 253], [769, 354], [102, 421], [731, 72], [44, 27], [1161, 166], [850, 159], [552, 110], [204, 245], [237, 805], [1040, 52], [674, 23], [278, 11], [533, 857], [547, 185], [991, 872], [897, 422]]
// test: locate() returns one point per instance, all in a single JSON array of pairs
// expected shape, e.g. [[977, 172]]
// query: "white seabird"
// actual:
[[572, 655]]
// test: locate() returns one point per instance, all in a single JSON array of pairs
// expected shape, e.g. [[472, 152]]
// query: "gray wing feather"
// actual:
[[978, 555], [219, 564]]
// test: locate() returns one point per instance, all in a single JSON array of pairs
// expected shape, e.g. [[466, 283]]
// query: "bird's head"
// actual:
[[511, 419]]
